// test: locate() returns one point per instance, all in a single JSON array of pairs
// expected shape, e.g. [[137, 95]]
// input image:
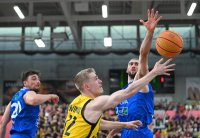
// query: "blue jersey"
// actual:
[[24, 117], [138, 107]]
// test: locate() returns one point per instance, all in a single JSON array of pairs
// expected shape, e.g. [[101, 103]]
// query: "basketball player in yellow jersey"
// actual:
[[84, 113]]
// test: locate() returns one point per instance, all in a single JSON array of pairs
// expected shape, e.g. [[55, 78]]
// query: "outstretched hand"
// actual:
[[163, 69], [153, 19], [54, 98], [133, 124]]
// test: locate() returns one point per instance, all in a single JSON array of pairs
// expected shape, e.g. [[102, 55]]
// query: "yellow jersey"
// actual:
[[76, 126]]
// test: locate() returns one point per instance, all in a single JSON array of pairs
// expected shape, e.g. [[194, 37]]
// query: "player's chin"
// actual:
[[101, 91], [133, 72]]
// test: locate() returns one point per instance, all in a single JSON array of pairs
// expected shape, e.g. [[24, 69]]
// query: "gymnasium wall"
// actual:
[[56, 67]]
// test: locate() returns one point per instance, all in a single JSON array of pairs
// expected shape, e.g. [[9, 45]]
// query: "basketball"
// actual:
[[169, 44]]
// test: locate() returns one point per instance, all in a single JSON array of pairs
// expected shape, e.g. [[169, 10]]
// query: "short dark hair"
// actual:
[[26, 74]]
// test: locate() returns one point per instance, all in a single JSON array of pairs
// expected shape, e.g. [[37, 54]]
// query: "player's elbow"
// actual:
[[143, 53]]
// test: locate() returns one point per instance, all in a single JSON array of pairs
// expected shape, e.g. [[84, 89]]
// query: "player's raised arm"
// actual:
[[150, 24]]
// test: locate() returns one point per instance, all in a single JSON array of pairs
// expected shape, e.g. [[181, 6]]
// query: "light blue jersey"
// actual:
[[24, 117], [138, 107]]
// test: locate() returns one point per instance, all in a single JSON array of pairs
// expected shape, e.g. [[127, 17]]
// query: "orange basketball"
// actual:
[[169, 44]]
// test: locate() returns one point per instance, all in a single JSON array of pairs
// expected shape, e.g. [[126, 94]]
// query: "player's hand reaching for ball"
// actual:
[[153, 19], [163, 68]]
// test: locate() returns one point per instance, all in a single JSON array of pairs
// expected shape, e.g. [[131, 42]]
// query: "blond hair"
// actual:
[[82, 77]]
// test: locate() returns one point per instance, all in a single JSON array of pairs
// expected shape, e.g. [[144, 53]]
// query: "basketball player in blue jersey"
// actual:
[[141, 105], [24, 108]]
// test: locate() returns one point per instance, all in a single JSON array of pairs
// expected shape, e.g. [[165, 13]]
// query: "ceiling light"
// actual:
[[107, 41], [104, 11], [19, 12], [39, 42], [192, 8]]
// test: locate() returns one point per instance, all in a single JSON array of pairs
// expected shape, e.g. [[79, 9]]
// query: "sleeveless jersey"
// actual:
[[24, 117], [76, 125], [138, 107]]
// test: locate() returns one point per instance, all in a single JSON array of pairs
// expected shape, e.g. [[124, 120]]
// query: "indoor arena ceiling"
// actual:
[[77, 13], [89, 11]]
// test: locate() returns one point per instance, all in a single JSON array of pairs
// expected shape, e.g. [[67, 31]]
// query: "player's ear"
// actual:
[[86, 86], [24, 83], [127, 70]]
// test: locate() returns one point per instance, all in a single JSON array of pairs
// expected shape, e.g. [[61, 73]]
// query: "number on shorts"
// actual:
[[70, 125], [17, 109]]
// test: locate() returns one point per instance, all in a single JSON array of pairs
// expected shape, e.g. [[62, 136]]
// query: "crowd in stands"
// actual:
[[51, 122], [179, 121]]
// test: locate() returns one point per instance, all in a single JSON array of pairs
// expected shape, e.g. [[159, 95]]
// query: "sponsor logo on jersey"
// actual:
[[122, 111]]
